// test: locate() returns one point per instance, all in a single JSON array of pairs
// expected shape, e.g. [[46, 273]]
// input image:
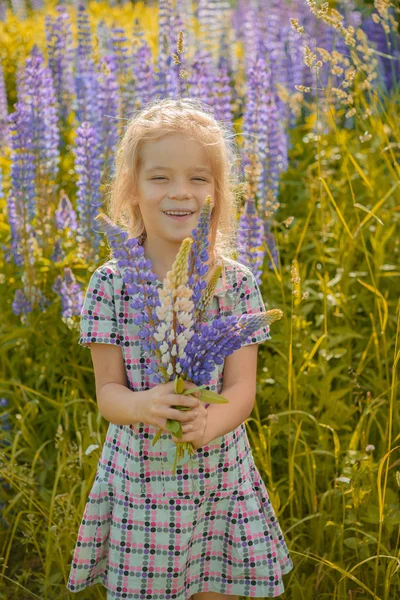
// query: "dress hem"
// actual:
[[236, 582]]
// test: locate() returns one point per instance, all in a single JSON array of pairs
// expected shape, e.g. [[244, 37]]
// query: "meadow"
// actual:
[[311, 91]]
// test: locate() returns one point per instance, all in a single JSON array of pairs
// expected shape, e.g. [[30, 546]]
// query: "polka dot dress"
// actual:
[[148, 534]]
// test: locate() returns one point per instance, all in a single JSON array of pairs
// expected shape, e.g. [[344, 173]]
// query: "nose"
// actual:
[[179, 189]]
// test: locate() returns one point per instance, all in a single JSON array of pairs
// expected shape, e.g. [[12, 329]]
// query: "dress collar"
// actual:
[[220, 288]]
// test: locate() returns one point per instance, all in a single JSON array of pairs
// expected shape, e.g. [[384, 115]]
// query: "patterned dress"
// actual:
[[149, 534]]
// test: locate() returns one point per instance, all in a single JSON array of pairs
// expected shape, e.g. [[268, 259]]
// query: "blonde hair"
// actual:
[[189, 117]]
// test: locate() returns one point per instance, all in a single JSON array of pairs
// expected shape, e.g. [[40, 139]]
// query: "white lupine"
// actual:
[[164, 347], [170, 369], [176, 306], [161, 312], [188, 333], [165, 358], [186, 320]]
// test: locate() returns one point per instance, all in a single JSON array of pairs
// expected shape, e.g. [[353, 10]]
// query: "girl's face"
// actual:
[[175, 174]]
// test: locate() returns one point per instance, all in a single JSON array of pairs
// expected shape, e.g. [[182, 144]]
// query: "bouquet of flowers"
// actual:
[[172, 318]]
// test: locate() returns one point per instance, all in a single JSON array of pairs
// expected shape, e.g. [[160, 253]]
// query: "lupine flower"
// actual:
[[61, 59], [66, 218], [4, 129], [88, 168], [109, 105], [37, 93], [70, 293], [145, 76], [57, 254], [20, 304], [251, 239]]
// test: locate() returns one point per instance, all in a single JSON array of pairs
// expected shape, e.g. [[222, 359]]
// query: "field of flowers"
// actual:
[[311, 91]]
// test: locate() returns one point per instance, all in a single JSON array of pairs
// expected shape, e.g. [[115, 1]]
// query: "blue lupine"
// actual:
[[109, 107], [57, 254], [250, 239], [61, 59], [222, 100], [70, 293], [66, 218], [20, 304], [87, 84], [88, 168], [145, 75], [4, 129], [38, 95]]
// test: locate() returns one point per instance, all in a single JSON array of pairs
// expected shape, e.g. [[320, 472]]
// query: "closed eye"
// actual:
[[198, 178]]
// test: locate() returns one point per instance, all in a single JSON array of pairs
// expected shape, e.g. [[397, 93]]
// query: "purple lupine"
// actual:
[[88, 168], [87, 84], [278, 150], [222, 100], [201, 77], [138, 278], [38, 95], [61, 59], [255, 123], [66, 218], [4, 129], [389, 71], [20, 304], [70, 293], [21, 201], [123, 69], [145, 76], [165, 77], [57, 255], [250, 238], [109, 106]]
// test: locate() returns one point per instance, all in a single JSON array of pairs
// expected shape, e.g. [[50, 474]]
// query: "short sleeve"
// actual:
[[250, 301], [98, 322]]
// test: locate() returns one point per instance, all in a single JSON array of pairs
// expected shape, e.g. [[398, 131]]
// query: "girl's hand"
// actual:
[[194, 430], [159, 403]]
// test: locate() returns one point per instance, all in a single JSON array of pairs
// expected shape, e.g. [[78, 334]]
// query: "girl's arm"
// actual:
[[239, 387], [116, 402]]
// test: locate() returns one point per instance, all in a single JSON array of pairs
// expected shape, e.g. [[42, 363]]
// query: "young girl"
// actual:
[[208, 532]]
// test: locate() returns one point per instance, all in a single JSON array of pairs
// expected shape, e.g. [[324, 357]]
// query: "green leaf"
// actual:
[[212, 397], [351, 542], [174, 427], [179, 386], [193, 389], [156, 437]]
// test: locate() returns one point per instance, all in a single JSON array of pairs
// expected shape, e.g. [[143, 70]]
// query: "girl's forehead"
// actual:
[[171, 146]]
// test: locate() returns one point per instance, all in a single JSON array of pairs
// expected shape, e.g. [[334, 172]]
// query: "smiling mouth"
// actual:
[[183, 217]]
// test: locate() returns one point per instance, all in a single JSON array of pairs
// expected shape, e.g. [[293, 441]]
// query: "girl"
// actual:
[[208, 532]]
